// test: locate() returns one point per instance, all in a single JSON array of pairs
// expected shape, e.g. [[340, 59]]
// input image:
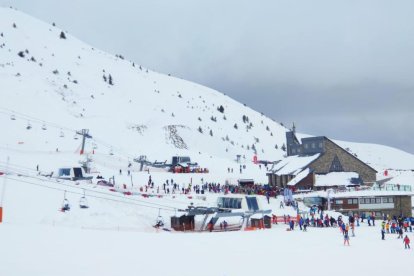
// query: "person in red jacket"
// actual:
[[406, 242]]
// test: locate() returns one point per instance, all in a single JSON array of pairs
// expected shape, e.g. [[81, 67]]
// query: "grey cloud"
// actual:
[[337, 68]]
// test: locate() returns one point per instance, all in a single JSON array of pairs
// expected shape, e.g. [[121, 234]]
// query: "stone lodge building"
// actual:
[[313, 156]]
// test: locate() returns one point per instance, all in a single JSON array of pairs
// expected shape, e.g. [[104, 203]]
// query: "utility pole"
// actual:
[[4, 189], [85, 134]]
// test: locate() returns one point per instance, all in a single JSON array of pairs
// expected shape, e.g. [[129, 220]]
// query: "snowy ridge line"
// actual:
[[92, 196], [97, 192]]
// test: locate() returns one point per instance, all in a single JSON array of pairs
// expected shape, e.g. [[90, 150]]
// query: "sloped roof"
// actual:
[[293, 165], [300, 176], [335, 179]]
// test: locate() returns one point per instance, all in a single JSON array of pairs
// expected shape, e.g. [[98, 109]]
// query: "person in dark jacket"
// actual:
[[291, 225]]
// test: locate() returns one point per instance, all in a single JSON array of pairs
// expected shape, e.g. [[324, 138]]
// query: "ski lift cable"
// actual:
[[57, 126], [10, 112], [67, 183], [99, 192], [21, 172], [20, 115], [92, 196]]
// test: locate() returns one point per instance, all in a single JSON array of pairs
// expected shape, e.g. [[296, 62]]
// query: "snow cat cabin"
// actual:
[[370, 202], [72, 173]]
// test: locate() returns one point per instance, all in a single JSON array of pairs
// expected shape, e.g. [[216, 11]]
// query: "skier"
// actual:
[[387, 227], [347, 228], [406, 242], [210, 226], [382, 234], [343, 229], [281, 205], [301, 221], [346, 239], [291, 225], [357, 219], [225, 225], [400, 232]]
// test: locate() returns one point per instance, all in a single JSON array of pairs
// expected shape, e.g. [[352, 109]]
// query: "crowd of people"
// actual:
[[397, 226]]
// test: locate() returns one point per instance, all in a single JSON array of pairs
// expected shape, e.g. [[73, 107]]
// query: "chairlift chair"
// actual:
[[44, 127], [75, 137], [83, 203], [62, 134], [12, 117], [159, 222], [65, 205], [29, 126]]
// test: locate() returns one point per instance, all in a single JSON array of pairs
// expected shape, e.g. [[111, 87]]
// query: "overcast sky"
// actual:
[[343, 69]]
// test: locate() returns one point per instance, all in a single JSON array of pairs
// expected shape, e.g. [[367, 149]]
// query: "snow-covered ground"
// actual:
[[44, 250], [115, 237], [60, 86]]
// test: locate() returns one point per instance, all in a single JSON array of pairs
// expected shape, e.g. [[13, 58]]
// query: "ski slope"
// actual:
[[59, 86]]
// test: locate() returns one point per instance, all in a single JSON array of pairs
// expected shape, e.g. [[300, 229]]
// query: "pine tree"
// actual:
[[110, 81], [62, 35]]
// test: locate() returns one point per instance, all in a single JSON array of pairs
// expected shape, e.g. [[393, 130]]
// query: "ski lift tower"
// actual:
[[85, 134]]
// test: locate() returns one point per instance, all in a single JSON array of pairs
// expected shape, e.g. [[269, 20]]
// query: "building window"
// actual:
[[320, 145], [378, 200], [306, 146], [298, 150], [339, 201], [390, 200], [336, 165], [293, 151], [313, 145], [352, 201], [362, 201], [372, 200], [385, 200]]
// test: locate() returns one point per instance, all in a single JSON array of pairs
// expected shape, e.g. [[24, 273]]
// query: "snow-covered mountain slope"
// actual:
[[59, 85]]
